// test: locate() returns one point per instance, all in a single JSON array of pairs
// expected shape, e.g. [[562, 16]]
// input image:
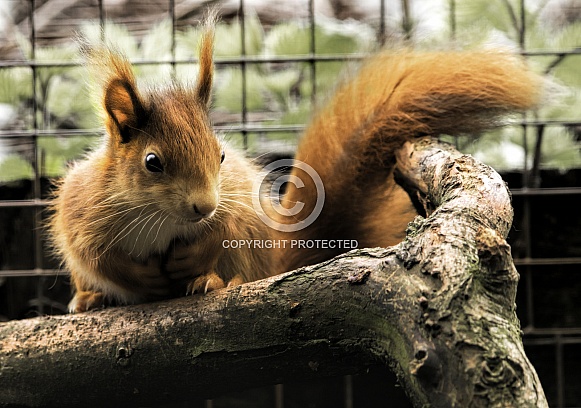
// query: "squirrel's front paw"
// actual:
[[86, 300], [235, 281], [150, 281], [182, 262], [205, 283]]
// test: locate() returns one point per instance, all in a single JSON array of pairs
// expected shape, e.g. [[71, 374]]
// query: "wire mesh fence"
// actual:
[[275, 63]]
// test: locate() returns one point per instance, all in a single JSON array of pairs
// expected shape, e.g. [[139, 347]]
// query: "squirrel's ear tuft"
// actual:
[[114, 85], [206, 73], [124, 108]]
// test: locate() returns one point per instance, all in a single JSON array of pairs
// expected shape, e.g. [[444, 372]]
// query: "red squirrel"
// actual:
[[160, 177], [151, 208]]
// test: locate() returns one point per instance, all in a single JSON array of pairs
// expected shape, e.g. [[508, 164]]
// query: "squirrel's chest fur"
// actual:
[[147, 233]]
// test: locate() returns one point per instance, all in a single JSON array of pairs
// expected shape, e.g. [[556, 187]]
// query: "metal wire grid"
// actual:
[[534, 336]]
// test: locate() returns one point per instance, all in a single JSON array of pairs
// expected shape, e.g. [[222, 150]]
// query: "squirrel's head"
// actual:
[[160, 143]]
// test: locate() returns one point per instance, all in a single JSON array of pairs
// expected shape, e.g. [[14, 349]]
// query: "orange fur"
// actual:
[[115, 222], [206, 75], [395, 97], [134, 231]]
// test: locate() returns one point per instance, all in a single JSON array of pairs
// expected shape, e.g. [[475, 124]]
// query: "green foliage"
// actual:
[[560, 150], [498, 23], [58, 151], [503, 148], [484, 16], [228, 43], [228, 95], [61, 103], [15, 85], [15, 167], [283, 92], [113, 34], [279, 84]]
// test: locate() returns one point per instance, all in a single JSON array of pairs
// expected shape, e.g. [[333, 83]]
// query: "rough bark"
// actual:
[[439, 309]]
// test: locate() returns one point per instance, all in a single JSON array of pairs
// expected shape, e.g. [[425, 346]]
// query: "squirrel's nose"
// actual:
[[204, 210]]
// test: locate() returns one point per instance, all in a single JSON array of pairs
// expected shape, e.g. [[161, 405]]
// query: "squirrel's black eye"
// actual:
[[223, 156], [153, 164]]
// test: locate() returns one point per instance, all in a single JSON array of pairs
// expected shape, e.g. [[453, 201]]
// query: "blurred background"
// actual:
[[276, 62]]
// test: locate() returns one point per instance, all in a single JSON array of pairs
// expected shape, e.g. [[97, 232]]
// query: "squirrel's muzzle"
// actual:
[[204, 210]]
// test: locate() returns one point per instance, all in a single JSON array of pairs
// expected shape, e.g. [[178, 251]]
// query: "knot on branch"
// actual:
[[359, 277], [493, 250], [123, 354], [496, 370], [500, 380], [497, 273], [426, 365]]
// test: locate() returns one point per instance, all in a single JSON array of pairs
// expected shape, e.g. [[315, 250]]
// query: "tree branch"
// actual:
[[439, 309]]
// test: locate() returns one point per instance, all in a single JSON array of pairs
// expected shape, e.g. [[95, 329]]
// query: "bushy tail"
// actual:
[[396, 97]]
